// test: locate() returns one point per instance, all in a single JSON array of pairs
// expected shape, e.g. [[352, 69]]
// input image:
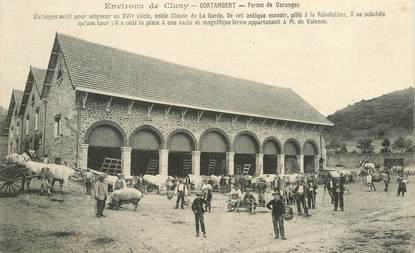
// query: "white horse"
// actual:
[[367, 165], [58, 173]]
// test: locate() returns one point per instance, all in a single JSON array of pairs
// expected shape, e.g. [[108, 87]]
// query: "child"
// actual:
[[45, 181], [198, 210], [277, 207]]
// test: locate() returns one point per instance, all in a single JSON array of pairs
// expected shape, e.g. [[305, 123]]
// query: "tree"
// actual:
[[334, 144], [386, 146], [365, 146], [343, 148], [402, 144]]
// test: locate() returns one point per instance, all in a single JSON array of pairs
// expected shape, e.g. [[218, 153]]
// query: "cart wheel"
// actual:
[[11, 179], [150, 188]]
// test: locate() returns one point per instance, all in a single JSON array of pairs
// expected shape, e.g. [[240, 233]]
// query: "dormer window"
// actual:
[[59, 75], [27, 125], [57, 125], [37, 119]]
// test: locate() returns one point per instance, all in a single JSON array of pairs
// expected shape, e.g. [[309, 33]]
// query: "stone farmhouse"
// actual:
[[95, 102]]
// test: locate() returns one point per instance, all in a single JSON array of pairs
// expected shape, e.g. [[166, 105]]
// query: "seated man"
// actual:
[[249, 198], [236, 195]]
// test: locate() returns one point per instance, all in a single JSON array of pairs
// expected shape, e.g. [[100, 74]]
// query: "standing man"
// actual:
[[401, 184], [262, 187], [89, 180], [339, 192], [180, 192], [222, 183], [207, 194], [188, 183], [311, 194], [386, 179], [100, 196], [300, 191], [369, 181], [277, 207], [329, 185], [198, 210]]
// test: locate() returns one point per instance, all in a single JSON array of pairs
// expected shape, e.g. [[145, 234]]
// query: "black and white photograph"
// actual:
[[207, 126]]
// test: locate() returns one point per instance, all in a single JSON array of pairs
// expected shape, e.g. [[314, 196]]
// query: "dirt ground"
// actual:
[[372, 222]]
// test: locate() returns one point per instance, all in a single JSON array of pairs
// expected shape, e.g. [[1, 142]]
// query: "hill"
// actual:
[[390, 115]]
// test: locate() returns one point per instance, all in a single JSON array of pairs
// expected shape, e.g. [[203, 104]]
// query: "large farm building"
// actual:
[[95, 102]]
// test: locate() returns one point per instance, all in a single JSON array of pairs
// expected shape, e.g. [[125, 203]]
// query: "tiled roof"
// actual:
[[39, 75], [112, 71], [18, 95], [39, 78], [15, 101]]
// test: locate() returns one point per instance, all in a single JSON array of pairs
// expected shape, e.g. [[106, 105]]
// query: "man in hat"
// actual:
[[330, 185], [311, 193], [236, 195], [300, 192], [89, 180], [180, 192], [100, 195], [207, 194], [198, 210], [339, 192], [277, 207]]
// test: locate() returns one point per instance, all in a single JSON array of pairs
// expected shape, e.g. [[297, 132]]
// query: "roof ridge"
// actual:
[[168, 62], [95, 67]]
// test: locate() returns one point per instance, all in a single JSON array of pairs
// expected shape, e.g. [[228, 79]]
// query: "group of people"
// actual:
[[182, 189], [336, 188], [385, 176], [101, 189], [302, 192]]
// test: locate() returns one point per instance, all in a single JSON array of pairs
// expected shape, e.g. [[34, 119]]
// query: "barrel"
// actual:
[[288, 213]]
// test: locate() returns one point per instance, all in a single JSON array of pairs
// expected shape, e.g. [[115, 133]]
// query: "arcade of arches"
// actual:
[[180, 154]]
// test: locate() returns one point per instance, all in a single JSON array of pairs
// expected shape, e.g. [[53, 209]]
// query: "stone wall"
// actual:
[[61, 101], [353, 160], [14, 133], [177, 119], [29, 119], [118, 112]]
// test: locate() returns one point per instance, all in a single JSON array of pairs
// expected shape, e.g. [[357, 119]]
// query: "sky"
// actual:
[[330, 66]]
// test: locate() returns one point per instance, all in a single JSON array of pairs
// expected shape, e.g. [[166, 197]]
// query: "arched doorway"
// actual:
[[310, 157], [180, 145], [146, 143], [291, 151], [213, 146], [271, 149], [105, 141], [246, 147]]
